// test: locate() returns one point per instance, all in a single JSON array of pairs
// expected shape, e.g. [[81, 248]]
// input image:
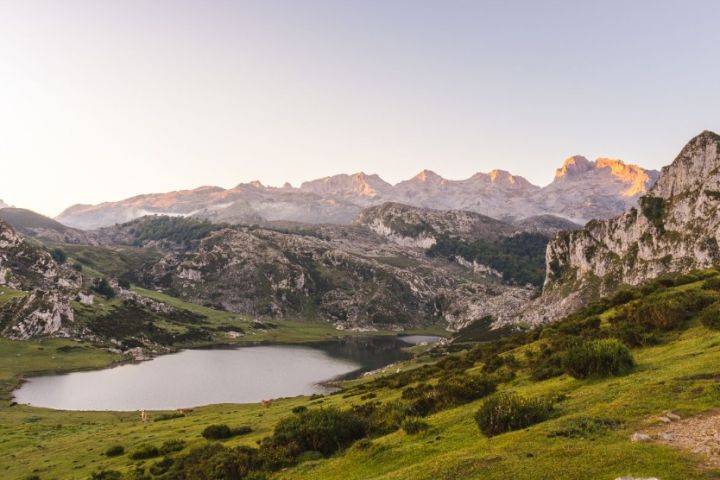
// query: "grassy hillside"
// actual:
[[668, 325]]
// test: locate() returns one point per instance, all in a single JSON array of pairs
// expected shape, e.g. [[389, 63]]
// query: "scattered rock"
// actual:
[[699, 435], [640, 437]]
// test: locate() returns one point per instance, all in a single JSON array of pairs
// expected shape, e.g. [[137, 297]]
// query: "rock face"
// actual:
[[675, 228], [41, 304], [373, 274], [418, 226], [581, 190]]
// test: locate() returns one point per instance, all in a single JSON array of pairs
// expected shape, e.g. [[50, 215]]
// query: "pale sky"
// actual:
[[101, 100]]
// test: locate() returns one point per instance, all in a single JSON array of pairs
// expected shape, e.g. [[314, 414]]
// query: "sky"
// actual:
[[101, 100]]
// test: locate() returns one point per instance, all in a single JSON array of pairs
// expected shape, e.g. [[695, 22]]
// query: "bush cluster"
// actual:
[[598, 359], [507, 411], [115, 451], [710, 317], [413, 425], [144, 452], [221, 432]]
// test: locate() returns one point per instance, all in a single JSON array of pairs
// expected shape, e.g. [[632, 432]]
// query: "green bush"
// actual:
[[413, 426], [324, 430], [146, 451], [507, 411], [58, 255], [665, 312], [106, 475], [712, 283], [585, 427], [171, 446], [710, 317], [381, 418], [460, 389], [221, 432], [598, 358], [161, 467], [168, 416], [213, 461], [115, 451]]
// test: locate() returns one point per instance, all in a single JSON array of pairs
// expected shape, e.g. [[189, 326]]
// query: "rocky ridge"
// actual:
[[675, 228], [44, 306], [580, 191], [370, 275]]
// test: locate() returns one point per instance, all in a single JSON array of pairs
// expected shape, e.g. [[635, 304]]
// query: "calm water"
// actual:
[[201, 377]]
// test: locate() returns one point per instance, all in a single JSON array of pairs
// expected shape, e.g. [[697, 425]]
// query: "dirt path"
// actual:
[[699, 434]]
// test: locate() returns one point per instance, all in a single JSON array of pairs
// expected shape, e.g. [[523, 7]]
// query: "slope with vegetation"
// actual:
[[557, 402]]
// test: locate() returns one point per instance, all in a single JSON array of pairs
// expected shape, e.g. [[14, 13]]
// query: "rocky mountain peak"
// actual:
[[507, 179], [428, 176], [674, 229], [697, 165], [574, 167], [358, 184]]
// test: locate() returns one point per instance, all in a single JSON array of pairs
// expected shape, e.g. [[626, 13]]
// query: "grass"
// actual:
[[7, 294], [680, 375], [55, 444]]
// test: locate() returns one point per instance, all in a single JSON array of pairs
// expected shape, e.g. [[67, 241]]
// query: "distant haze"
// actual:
[[101, 100]]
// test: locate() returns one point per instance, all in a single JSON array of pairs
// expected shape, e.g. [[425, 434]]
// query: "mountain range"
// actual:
[[581, 190]]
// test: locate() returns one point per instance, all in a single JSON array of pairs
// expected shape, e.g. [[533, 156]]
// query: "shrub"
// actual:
[[214, 461], [413, 425], [712, 283], [324, 430], [381, 418], [598, 358], [168, 416], [115, 451], [309, 456], [457, 390], [58, 255], [710, 317], [221, 432], [670, 311], [103, 287], [507, 411], [623, 296], [299, 409], [106, 475], [158, 468], [585, 427], [146, 451], [171, 446]]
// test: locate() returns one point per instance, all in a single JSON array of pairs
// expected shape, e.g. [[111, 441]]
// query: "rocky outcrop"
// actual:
[[348, 275], [39, 313], [412, 226], [675, 228], [40, 304], [581, 190]]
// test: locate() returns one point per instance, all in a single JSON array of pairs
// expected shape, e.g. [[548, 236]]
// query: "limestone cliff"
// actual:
[[675, 228], [35, 290]]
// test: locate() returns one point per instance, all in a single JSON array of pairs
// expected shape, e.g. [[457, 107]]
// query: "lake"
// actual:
[[192, 378]]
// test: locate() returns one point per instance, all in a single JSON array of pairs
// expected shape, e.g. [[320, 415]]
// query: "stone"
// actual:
[[640, 437]]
